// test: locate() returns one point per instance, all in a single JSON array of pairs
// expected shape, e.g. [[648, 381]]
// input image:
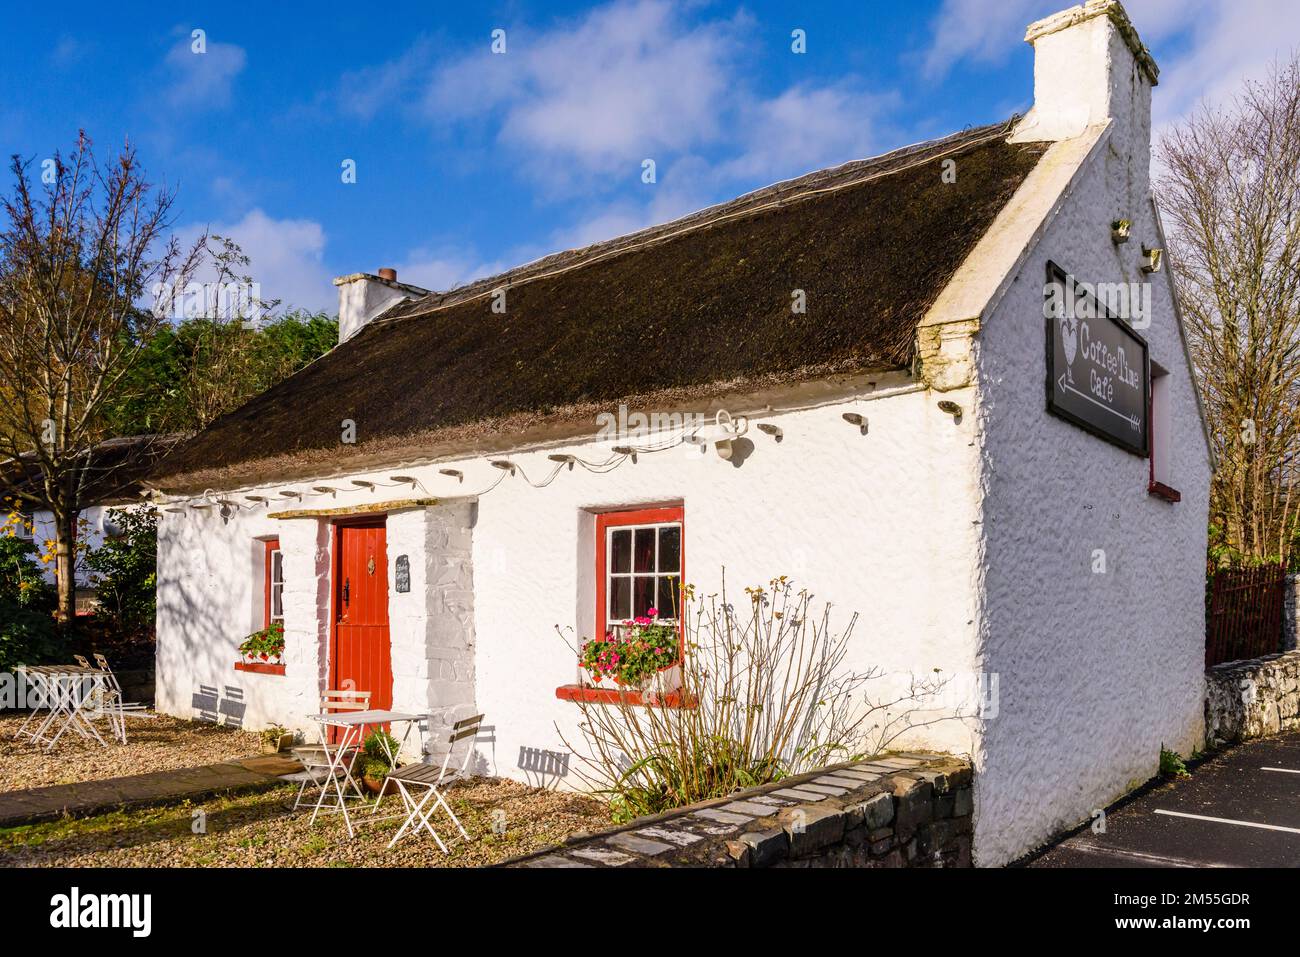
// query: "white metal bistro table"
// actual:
[[352, 727], [70, 692]]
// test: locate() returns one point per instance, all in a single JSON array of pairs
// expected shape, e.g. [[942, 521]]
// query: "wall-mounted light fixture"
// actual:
[[950, 408], [860, 421], [623, 450], [1154, 259], [290, 493], [1119, 231], [767, 428], [731, 430], [324, 489], [568, 460], [362, 483], [256, 498], [504, 465], [405, 480], [457, 474]]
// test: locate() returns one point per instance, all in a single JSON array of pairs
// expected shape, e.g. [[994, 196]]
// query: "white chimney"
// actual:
[[363, 296], [1091, 68]]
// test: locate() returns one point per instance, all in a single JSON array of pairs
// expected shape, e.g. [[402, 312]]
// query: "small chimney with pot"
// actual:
[[363, 296]]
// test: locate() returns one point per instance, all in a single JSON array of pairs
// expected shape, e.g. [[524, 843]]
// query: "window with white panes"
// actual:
[[640, 562]]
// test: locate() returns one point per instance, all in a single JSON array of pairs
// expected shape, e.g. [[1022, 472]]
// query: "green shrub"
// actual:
[[763, 696], [22, 579], [27, 636], [28, 632], [374, 752]]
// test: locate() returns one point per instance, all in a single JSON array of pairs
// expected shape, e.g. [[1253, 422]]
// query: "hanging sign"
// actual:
[[403, 574], [1098, 369]]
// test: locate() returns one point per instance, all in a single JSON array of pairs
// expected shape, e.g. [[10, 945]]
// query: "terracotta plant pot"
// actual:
[[376, 785]]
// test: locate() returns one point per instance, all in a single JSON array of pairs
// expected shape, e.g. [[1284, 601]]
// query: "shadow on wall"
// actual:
[[542, 768], [225, 707], [193, 640]]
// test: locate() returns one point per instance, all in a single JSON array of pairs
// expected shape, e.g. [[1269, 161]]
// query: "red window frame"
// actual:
[[271, 545], [608, 520]]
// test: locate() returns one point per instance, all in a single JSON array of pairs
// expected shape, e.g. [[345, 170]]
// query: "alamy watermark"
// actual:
[[625, 426], [209, 300], [1129, 301]]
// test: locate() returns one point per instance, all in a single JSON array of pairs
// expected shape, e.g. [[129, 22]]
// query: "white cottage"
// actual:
[[968, 415]]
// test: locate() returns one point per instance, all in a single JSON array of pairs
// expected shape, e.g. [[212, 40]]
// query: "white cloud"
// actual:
[[626, 81], [286, 258], [1215, 44], [807, 128], [1228, 44], [364, 93], [203, 79], [984, 31]]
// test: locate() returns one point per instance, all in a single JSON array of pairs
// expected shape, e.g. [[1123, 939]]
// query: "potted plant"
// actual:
[[375, 764], [275, 740], [645, 653]]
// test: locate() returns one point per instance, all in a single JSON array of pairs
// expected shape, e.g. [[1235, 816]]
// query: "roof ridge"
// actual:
[[801, 187]]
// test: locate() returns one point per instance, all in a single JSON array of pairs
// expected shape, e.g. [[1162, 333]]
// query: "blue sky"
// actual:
[[468, 162]]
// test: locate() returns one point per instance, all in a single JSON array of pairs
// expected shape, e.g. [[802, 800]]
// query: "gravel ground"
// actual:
[[161, 744], [259, 830]]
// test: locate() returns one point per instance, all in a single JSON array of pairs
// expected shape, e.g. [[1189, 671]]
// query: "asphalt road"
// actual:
[[1253, 792]]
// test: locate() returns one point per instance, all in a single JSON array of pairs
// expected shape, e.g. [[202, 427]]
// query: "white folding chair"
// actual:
[[38, 695], [433, 779], [321, 762], [112, 701]]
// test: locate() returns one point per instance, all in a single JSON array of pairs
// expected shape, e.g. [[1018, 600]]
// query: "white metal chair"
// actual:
[[433, 779], [321, 762], [113, 704], [37, 692]]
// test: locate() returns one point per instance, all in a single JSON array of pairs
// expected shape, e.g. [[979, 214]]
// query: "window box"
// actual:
[[627, 696], [259, 668]]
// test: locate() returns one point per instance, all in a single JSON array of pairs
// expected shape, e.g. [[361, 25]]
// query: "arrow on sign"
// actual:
[[1132, 420]]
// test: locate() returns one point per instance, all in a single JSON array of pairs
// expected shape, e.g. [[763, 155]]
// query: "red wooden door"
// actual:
[[362, 659]]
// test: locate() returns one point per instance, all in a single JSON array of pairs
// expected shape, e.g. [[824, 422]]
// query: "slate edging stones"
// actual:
[[891, 810]]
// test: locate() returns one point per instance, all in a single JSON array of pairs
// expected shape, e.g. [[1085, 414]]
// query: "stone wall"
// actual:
[[1250, 699], [431, 626], [898, 810]]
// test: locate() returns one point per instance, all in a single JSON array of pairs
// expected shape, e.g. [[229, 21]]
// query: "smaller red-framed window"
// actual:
[[640, 561], [274, 583]]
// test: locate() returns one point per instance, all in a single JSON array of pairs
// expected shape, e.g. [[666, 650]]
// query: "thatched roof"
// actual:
[[676, 314]]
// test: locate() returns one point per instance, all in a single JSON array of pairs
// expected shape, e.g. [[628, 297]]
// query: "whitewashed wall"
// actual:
[[882, 524], [1096, 671]]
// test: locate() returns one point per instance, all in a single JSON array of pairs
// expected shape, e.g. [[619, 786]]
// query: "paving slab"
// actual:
[[34, 805]]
